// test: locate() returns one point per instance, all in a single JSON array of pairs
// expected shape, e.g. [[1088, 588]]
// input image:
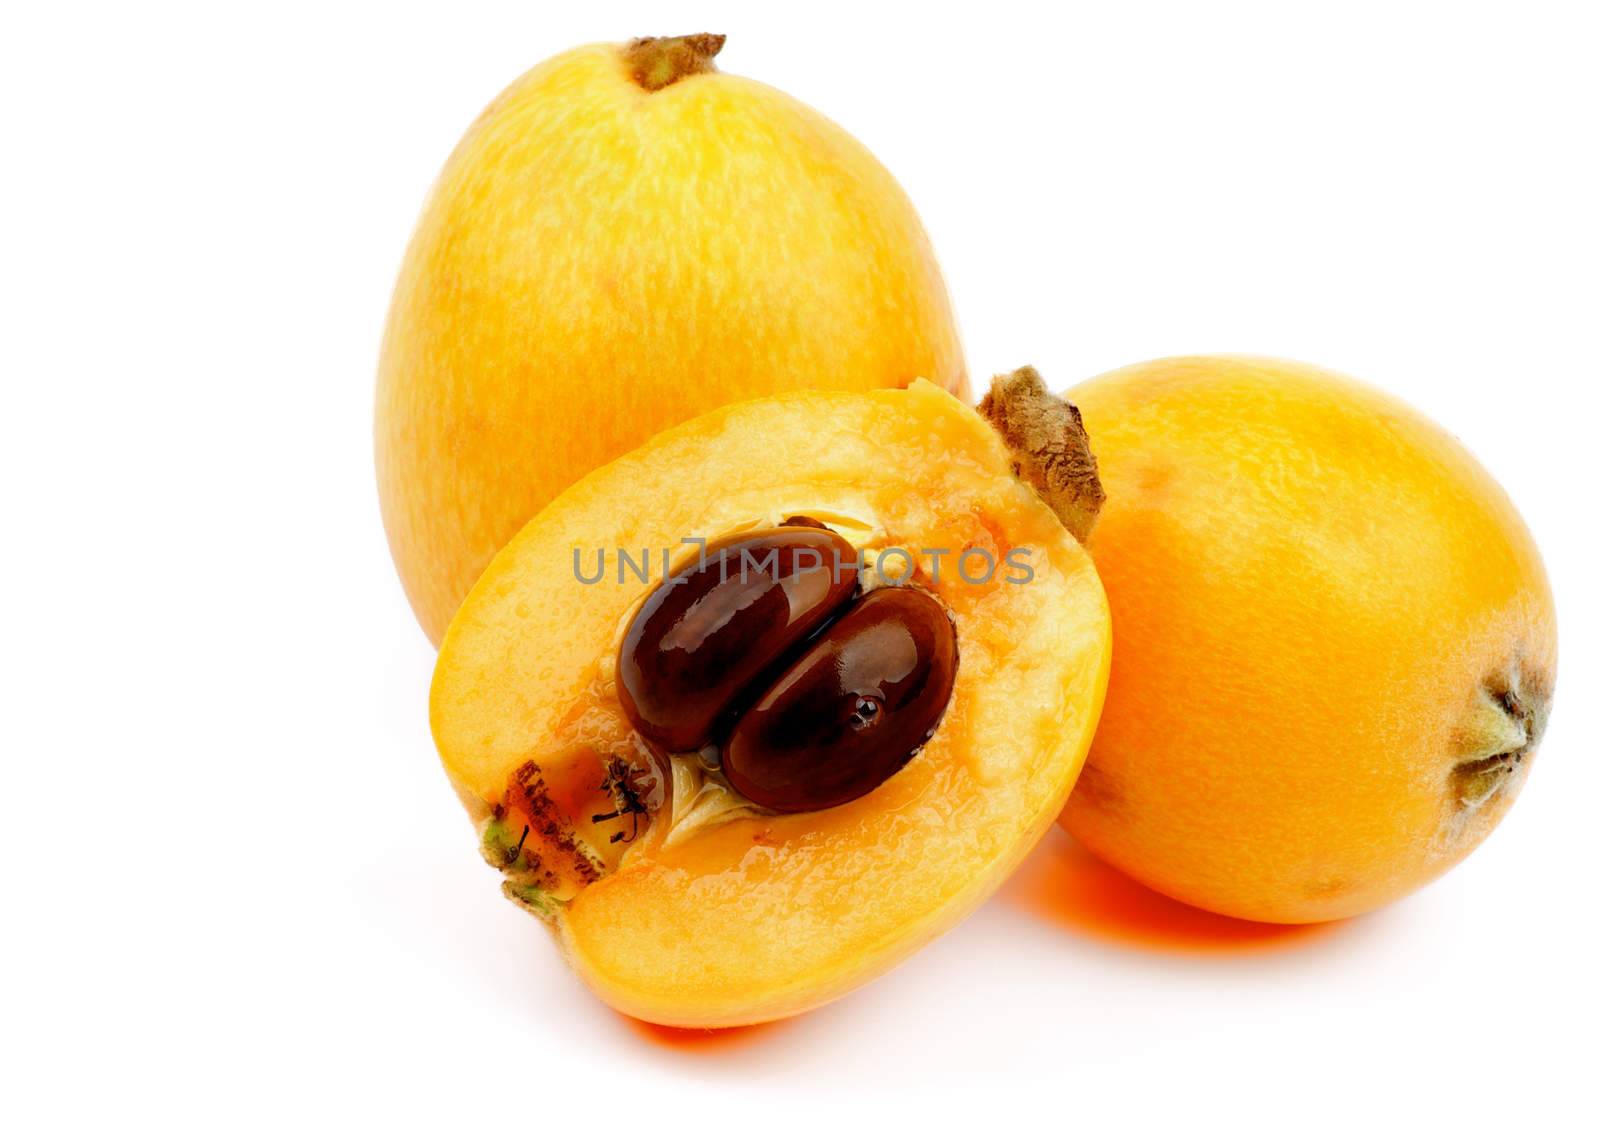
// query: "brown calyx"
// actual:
[[1498, 737], [1049, 447], [657, 62]]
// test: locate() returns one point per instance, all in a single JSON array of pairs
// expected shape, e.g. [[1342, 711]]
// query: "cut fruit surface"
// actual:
[[690, 905]]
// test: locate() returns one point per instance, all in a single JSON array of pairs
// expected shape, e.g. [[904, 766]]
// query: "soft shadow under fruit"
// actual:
[[1066, 885]]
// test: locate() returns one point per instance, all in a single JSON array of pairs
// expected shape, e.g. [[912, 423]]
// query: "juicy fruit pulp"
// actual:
[[852, 709], [1335, 641], [718, 623], [626, 233], [700, 909]]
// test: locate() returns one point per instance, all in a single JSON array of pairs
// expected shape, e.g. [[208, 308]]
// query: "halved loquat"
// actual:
[[735, 797]]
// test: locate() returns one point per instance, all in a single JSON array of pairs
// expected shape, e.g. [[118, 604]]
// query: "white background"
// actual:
[[238, 880]]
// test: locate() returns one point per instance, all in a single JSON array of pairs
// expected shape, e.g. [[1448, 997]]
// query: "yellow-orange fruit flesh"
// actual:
[[598, 262], [1336, 643], [763, 916]]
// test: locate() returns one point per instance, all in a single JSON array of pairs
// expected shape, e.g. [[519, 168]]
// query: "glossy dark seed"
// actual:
[[701, 642], [851, 710]]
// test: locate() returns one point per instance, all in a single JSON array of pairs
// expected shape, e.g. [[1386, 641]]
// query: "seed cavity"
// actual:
[[700, 802], [765, 664], [762, 677]]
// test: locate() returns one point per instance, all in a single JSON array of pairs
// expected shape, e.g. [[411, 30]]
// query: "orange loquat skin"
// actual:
[[1336, 643], [599, 261], [708, 919]]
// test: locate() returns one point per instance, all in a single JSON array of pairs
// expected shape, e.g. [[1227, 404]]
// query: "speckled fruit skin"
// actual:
[[1336, 643], [598, 262]]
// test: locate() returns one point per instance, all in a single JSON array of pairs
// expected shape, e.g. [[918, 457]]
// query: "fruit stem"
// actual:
[[1049, 447], [656, 63]]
